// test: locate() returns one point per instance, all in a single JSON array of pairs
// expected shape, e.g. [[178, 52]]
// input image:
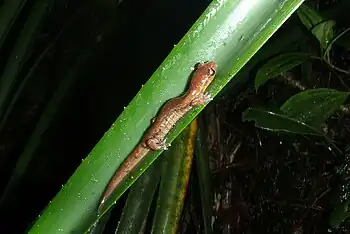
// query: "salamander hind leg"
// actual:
[[201, 100], [156, 144], [207, 97]]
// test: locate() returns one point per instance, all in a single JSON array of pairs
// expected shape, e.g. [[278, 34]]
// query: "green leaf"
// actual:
[[24, 81], [314, 106], [139, 200], [7, 85], [20, 52], [324, 32], [229, 32], [278, 122], [277, 65], [174, 181], [8, 15], [339, 214], [99, 227], [204, 175], [308, 16], [320, 27], [303, 113]]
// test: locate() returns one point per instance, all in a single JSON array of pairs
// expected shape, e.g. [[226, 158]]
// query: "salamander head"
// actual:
[[203, 76]]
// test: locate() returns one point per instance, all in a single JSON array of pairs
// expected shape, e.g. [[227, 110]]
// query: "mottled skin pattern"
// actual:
[[169, 115]]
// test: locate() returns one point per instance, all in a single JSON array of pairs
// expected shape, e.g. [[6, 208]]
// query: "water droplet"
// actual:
[[94, 180]]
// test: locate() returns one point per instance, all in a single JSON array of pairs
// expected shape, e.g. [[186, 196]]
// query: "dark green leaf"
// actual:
[[324, 32], [139, 200], [277, 122], [320, 27], [277, 65], [204, 176], [20, 53], [9, 11], [309, 17], [339, 214], [313, 107], [175, 176]]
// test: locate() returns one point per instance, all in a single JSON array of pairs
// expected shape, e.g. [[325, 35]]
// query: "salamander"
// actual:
[[172, 111]]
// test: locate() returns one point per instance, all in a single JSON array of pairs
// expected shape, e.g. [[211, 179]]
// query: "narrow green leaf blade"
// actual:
[[139, 200], [8, 14], [19, 54], [174, 181], [204, 176]]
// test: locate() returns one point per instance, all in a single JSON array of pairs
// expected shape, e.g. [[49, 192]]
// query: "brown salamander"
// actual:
[[173, 110]]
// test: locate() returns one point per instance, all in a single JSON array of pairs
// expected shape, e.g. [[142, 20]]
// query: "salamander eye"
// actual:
[[211, 71]]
